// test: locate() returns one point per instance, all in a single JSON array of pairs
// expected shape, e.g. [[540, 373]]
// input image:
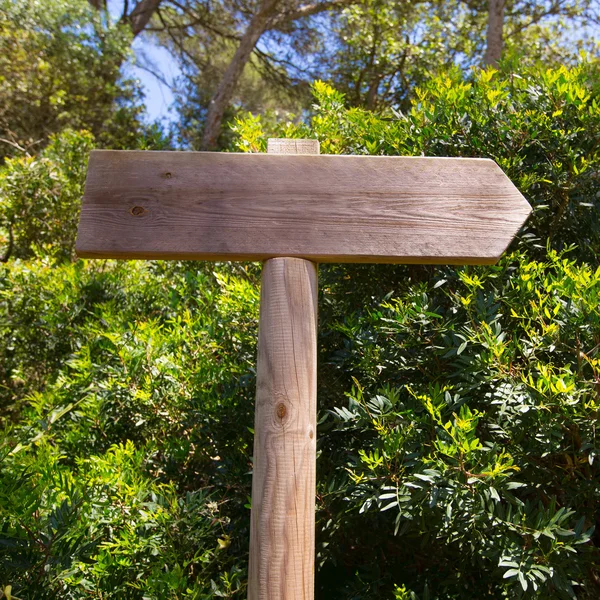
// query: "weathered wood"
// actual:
[[292, 146], [282, 529], [225, 206], [282, 534]]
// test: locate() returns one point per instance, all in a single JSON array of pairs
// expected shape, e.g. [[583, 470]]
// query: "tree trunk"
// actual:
[[493, 51], [373, 92], [138, 18], [257, 26], [141, 15]]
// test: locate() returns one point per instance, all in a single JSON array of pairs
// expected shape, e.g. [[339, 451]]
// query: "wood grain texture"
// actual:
[[282, 538], [225, 206], [282, 528], [292, 146]]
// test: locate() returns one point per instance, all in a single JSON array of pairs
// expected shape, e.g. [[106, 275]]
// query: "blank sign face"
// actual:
[[225, 206]]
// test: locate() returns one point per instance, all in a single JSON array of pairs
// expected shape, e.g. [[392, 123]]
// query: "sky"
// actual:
[[158, 95]]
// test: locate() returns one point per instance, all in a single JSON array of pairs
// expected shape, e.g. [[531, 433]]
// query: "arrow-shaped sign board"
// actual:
[[225, 206], [292, 209]]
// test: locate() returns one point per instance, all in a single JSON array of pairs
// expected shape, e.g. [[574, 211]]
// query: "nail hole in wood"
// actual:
[[138, 211], [168, 175]]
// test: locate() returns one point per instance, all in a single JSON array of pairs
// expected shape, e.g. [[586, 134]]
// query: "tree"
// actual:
[[493, 50], [257, 25], [139, 16], [551, 22], [239, 32], [205, 41], [240, 55], [380, 51], [60, 67], [270, 14]]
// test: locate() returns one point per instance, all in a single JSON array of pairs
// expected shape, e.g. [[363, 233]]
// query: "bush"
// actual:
[[60, 66], [40, 197], [465, 460], [458, 455], [125, 471]]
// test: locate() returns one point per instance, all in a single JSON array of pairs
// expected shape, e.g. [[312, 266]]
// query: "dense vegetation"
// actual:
[[59, 67], [458, 454]]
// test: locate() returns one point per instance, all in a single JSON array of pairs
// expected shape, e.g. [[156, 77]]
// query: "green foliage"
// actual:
[[383, 49], [481, 443], [40, 197], [60, 67], [63, 519], [458, 454], [386, 48], [125, 471]]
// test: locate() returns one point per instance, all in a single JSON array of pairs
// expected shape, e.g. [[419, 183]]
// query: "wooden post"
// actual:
[[282, 529]]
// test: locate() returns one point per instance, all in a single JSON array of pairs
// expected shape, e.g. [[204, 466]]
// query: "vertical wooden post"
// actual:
[[282, 529]]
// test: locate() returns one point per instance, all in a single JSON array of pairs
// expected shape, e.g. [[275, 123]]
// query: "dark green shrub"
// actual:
[[134, 438], [40, 197]]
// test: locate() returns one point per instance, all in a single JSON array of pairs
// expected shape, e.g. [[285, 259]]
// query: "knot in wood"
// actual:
[[138, 211], [281, 410], [168, 175]]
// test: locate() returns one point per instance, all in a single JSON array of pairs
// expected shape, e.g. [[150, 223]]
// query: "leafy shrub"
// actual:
[[458, 455], [60, 66], [40, 197], [471, 434], [136, 437]]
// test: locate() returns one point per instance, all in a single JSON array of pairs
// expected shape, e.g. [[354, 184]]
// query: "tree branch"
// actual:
[[553, 10], [266, 57], [259, 23], [125, 11], [158, 76], [141, 15], [11, 242], [308, 10], [13, 144], [179, 45]]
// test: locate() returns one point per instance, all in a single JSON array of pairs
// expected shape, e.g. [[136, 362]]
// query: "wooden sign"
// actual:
[[295, 209], [222, 206]]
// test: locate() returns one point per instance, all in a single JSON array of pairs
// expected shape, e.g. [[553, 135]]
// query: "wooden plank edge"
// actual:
[[260, 257], [178, 153]]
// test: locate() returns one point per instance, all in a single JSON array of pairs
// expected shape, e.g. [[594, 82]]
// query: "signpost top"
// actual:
[[226, 206]]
